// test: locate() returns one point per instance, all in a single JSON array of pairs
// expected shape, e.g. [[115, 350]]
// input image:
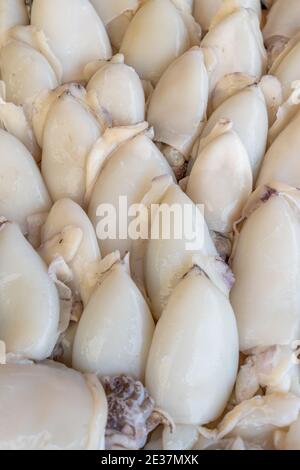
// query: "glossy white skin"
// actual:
[[249, 53], [281, 162], [109, 10], [177, 107], [167, 261], [292, 438], [73, 49], [248, 113], [29, 304], [288, 70], [22, 191], [266, 265], [66, 213], [205, 10], [25, 72], [128, 172], [115, 331], [194, 339], [120, 92], [156, 36], [12, 13], [70, 133], [50, 407], [283, 19], [222, 164]]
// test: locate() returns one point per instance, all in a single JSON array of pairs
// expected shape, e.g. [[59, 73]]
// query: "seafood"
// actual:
[[271, 345], [128, 173], [248, 112], [12, 13], [205, 10], [282, 24], [119, 91], [221, 39], [27, 65], [29, 321], [99, 346], [149, 225], [222, 161], [186, 363], [73, 50], [158, 34], [66, 410], [23, 191], [177, 108], [68, 233], [116, 17]]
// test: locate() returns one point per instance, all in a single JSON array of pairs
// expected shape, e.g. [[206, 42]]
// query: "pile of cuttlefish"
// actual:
[[124, 343]]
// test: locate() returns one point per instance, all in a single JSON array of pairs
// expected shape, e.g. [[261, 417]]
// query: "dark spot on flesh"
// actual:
[[268, 194]]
